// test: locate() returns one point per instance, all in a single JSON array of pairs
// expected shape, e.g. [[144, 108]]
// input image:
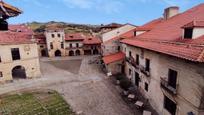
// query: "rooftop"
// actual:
[[113, 57], [166, 37]]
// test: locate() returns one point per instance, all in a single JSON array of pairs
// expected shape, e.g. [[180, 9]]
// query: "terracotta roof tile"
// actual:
[[74, 37], [91, 40], [166, 37], [194, 24], [113, 57]]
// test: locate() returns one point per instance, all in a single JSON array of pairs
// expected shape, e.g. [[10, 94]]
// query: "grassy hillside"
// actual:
[[68, 27]]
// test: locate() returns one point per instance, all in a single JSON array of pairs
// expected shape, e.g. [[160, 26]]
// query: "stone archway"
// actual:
[[77, 52], [19, 72], [71, 53], [58, 53]]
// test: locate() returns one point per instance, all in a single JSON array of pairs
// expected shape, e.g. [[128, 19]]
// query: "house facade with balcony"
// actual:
[[166, 62]]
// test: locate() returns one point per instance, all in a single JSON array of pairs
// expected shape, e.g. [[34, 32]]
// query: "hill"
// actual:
[[68, 27]]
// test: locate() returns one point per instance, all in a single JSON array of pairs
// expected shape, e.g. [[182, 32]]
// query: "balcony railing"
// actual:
[[144, 71], [165, 85], [132, 61]]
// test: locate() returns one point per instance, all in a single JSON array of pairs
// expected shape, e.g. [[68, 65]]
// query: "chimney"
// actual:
[[170, 12]]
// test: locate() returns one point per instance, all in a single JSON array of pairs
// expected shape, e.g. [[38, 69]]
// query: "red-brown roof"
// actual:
[[166, 37], [74, 37], [92, 41], [17, 34], [20, 28], [113, 58], [9, 37], [194, 24], [149, 26]]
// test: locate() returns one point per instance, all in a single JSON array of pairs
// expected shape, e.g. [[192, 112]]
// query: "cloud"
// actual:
[[84, 4]]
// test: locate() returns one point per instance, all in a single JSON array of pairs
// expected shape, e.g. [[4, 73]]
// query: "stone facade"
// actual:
[[29, 61], [188, 94], [55, 42]]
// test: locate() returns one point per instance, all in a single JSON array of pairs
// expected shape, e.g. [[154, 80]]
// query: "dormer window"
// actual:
[[188, 33], [193, 30], [135, 33]]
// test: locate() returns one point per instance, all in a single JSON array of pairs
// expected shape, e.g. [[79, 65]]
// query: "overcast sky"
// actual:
[[136, 12]]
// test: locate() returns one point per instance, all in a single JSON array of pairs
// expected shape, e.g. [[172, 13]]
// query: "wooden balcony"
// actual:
[[143, 70], [165, 85], [132, 62]]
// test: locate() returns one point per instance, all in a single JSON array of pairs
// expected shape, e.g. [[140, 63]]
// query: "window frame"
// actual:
[[15, 54]]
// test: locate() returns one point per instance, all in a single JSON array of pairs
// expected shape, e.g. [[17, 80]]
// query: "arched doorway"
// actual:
[[71, 53], [18, 72], [78, 52], [58, 53], [95, 52], [43, 53]]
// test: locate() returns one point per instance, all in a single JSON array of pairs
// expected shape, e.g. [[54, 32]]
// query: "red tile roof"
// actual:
[[14, 38], [194, 24], [74, 37], [113, 58], [21, 28], [166, 36], [16, 34], [92, 41], [149, 26]]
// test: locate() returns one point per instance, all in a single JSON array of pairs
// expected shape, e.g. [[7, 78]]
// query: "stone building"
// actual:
[[166, 62], [110, 40], [56, 43], [18, 50], [55, 40]]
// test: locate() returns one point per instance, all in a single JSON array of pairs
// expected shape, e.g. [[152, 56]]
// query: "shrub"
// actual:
[[125, 84]]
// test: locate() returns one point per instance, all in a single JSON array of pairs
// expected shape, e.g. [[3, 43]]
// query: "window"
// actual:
[[0, 59], [188, 33], [118, 48], [53, 35], [1, 74], [58, 35], [62, 45], [41, 46], [70, 45], [146, 87], [172, 78], [137, 59], [15, 54], [135, 33], [77, 45], [169, 105], [130, 54], [130, 71], [51, 45], [147, 65]]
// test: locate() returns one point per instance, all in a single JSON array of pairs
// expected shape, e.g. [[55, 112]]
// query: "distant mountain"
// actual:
[[68, 27]]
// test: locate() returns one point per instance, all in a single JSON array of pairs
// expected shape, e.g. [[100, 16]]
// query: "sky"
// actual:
[[137, 12]]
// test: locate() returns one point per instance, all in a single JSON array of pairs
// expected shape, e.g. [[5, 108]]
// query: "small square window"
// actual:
[[53, 35], [146, 87], [58, 35]]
